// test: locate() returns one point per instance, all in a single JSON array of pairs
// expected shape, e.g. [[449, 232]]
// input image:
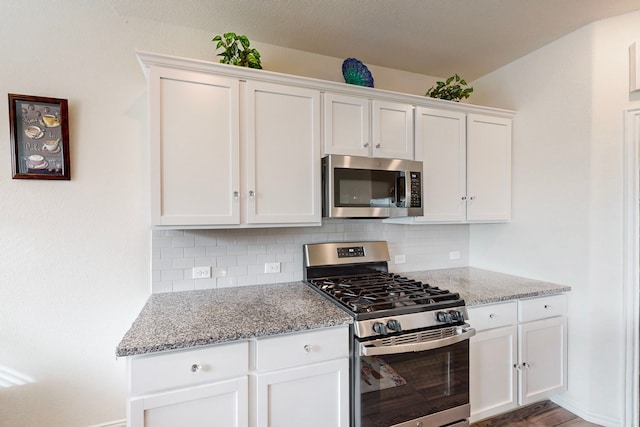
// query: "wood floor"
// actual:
[[541, 414]]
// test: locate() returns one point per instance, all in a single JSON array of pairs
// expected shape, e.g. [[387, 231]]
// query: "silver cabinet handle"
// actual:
[[472, 198], [195, 368], [252, 194], [464, 197], [547, 306], [492, 316], [308, 348], [236, 195], [378, 146], [366, 144]]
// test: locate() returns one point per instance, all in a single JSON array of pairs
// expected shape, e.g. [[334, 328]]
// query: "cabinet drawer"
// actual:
[[542, 307], [303, 348], [187, 367], [493, 316]]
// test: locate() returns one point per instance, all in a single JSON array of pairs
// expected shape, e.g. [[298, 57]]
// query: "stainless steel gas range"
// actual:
[[410, 341]]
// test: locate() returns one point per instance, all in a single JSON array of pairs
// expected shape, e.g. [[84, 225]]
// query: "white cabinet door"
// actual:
[[222, 404], [315, 395], [488, 168], [282, 159], [493, 380], [542, 353], [392, 130], [346, 125], [194, 130], [441, 145]]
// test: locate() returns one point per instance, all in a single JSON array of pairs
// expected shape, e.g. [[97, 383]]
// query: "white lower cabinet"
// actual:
[[221, 404], [287, 380], [303, 379], [314, 396], [519, 354]]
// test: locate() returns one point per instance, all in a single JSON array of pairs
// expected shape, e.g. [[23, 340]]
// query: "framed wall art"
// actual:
[[39, 137]]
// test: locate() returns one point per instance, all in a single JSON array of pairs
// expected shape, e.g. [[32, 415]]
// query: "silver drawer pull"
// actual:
[[547, 306], [195, 368], [308, 348], [492, 316]]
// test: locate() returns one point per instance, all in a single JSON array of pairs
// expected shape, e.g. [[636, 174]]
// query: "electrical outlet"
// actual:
[[400, 259], [454, 255], [272, 267], [201, 272]]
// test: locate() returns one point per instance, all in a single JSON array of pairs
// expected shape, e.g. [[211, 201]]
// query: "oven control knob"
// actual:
[[443, 316], [457, 315], [394, 325], [379, 328]]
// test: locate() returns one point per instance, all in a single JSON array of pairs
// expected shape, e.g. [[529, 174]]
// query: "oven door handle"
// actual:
[[420, 346]]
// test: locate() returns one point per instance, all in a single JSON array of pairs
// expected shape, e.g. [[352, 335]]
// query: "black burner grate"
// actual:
[[381, 291]]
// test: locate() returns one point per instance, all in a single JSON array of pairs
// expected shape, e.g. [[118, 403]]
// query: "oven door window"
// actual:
[[368, 188], [395, 388]]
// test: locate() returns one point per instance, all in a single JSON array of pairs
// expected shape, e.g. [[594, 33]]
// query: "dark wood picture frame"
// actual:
[[39, 129]]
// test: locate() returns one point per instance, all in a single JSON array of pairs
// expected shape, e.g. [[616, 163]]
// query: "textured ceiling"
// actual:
[[433, 37]]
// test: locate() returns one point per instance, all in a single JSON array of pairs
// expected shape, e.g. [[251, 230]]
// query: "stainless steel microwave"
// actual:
[[364, 187]]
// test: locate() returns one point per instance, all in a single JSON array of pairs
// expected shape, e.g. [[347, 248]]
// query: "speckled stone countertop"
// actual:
[[477, 286], [177, 320]]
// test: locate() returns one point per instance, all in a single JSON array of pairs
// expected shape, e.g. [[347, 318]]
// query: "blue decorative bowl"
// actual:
[[356, 73]]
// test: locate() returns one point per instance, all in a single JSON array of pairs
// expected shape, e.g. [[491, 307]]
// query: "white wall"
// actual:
[[567, 196], [75, 256]]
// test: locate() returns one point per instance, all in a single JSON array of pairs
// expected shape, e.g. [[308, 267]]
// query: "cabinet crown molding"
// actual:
[[150, 59]]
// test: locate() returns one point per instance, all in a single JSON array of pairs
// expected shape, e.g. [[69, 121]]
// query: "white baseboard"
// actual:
[[573, 407], [120, 423]]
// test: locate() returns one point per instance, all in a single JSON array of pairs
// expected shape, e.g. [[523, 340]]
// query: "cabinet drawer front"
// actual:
[[188, 367], [542, 307], [493, 316], [303, 348]]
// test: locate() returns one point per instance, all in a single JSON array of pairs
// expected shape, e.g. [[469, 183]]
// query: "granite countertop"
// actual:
[[176, 320], [477, 286]]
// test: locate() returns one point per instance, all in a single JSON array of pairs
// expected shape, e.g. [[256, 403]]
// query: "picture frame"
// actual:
[[39, 128]]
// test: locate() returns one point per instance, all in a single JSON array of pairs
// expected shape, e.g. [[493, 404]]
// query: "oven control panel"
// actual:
[[404, 323], [351, 252]]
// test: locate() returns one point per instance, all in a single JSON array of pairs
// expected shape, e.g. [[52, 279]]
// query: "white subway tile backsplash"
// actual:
[[171, 253], [237, 256], [183, 285], [195, 252]]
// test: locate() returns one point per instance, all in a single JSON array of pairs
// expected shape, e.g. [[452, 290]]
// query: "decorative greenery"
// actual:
[[453, 89], [237, 51]]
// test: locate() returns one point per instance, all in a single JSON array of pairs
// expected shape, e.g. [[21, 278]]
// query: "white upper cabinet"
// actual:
[[355, 126], [441, 145], [282, 154], [392, 130], [237, 147], [488, 168], [466, 166], [346, 125], [194, 130], [199, 177]]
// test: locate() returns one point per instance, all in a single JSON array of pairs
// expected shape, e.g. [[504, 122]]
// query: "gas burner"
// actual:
[[380, 291]]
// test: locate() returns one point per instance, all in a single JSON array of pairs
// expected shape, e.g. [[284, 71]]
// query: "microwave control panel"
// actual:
[[416, 190]]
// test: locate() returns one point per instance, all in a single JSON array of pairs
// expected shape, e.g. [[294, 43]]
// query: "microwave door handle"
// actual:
[[414, 347], [407, 189]]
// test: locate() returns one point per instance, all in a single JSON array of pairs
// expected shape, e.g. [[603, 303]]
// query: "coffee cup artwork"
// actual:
[[50, 121], [51, 146], [39, 137]]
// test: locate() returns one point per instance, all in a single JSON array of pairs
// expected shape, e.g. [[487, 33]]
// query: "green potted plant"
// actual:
[[236, 50], [453, 89]]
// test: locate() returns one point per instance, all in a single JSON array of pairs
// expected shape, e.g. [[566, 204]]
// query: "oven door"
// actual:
[[414, 379]]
